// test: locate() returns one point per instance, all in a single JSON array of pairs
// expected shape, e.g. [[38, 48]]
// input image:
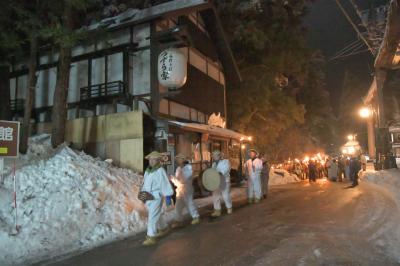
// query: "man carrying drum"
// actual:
[[223, 167]]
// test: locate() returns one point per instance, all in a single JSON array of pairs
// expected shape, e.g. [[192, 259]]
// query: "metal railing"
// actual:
[[17, 105], [114, 88]]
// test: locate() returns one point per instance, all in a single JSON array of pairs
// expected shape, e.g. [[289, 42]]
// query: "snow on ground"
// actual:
[[66, 201], [387, 179], [382, 221], [282, 177], [69, 201]]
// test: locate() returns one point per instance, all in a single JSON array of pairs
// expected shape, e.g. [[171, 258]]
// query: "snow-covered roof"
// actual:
[[388, 53], [212, 130], [136, 16]]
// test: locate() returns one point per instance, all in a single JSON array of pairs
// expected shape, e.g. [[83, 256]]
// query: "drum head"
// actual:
[[211, 179]]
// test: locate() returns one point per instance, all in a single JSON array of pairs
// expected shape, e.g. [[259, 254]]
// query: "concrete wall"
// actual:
[[117, 136]]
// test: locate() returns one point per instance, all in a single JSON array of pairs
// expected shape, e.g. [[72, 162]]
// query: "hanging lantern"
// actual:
[[172, 68]]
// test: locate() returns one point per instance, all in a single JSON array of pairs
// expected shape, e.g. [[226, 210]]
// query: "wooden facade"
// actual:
[[118, 74]]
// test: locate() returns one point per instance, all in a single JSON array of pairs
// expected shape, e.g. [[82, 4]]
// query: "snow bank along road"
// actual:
[[299, 224], [70, 202]]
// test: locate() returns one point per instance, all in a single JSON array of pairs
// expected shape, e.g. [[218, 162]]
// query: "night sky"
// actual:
[[329, 31]]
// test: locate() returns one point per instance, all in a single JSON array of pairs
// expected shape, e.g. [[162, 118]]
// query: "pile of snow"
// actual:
[[67, 201], [387, 179], [382, 222], [281, 177]]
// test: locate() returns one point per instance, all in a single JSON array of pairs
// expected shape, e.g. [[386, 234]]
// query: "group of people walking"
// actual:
[[343, 167], [157, 187]]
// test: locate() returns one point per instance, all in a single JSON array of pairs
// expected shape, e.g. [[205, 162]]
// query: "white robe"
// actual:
[[253, 172], [157, 184], [332, 169], [224, 168], [184, 192]]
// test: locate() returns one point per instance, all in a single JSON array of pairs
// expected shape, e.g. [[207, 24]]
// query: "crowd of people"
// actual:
[[346, 167], [157, 187], [335, 169]]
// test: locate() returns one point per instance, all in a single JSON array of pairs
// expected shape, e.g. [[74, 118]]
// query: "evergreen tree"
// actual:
[[282, 101], [63, 31]]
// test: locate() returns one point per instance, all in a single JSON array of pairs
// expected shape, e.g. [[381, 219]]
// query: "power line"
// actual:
[[348, 47], [353, 53], [354, 26]]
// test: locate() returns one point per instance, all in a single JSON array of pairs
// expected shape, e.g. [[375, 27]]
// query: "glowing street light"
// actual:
[[351, 137], [351, 150], [365, 112]]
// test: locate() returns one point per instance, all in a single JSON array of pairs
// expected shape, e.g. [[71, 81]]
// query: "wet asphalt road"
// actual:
[[299, 224]]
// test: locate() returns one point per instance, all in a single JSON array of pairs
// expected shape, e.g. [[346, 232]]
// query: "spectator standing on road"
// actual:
[[341, 168], [355, 167], [312, 171], [264, 175], [347, 170], [332, 170], [305, 171]]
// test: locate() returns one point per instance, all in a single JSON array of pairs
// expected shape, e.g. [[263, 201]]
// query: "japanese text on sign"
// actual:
[[6, 133], [166, 70], [9, 139]]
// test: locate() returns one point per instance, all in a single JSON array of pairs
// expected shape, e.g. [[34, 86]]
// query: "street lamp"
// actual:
[[351, 137], [365, 112]]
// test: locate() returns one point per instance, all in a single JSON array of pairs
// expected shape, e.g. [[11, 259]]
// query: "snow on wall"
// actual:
[[66, 201]]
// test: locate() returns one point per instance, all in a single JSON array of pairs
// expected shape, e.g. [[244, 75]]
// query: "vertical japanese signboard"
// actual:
[[9, 139]]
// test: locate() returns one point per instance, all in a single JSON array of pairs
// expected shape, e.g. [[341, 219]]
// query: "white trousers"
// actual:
[[155, 220], [223, 192], [254, 187], [188, 202]]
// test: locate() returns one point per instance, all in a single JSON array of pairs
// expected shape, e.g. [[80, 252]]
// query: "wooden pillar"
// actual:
[[371, 138], [154, 88], [380, 77]]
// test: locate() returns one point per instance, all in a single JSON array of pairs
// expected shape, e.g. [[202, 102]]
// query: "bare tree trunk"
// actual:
[[5, 97], [60, 106], [30, 96]]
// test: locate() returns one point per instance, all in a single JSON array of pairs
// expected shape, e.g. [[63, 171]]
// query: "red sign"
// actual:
[[9, 138]]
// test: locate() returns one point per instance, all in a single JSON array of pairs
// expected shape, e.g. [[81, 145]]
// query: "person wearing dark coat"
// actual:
[[265, 175], [355, 167], [341, 168], [312, 171]]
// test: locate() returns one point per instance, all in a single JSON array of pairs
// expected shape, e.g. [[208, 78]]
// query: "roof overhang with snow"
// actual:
[[211, 130], [389, 52]]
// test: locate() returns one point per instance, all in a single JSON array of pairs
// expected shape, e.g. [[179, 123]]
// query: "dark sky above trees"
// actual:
[[329, 31]]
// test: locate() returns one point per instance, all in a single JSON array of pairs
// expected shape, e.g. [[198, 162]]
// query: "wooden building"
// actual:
[[383, 96], [117, 108]]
